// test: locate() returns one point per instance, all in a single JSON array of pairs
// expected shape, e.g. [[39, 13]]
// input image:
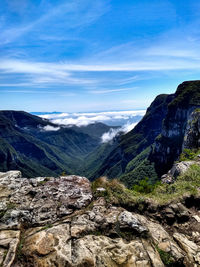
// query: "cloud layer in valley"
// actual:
[[126, 120], [112, 118], [112, 133]]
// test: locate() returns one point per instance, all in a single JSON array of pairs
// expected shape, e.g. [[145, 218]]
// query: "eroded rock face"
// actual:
[[40, 200], [35, 233], [192, 134], [179, 129]]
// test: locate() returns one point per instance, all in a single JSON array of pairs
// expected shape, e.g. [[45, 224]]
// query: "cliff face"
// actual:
[[192, 133], [125, 148], [169, 144], [60, 222]]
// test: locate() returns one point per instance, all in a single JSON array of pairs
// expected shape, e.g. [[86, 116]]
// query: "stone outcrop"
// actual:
[[40, 200], [177, 169], [192, 133], [56, 222], [180, 127]]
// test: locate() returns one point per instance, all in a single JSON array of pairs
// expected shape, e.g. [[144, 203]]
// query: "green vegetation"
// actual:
[[113, 160], [145, 186], [134, 163], [116, 193], [187, 94], [166, 257], [189, 154], [47, 226], [144, 169], [188, 183], [19, 253], [25, 146], [11, 206]]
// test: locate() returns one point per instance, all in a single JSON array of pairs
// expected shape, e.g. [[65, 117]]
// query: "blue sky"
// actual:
[[95, 55]]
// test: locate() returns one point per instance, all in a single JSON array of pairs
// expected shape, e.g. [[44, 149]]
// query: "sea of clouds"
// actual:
[[126, 120]]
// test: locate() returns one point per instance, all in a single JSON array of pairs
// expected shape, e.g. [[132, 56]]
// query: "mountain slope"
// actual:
[[25, 144], [128, 146], [151, 148]]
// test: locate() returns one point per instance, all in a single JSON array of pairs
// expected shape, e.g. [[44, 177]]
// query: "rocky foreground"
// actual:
[[57, 222]]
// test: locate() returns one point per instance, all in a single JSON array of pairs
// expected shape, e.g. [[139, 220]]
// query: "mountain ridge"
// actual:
[[27, 146]]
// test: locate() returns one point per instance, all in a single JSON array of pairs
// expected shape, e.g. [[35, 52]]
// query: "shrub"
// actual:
[[188, 154], [115, 192], [145, 186]]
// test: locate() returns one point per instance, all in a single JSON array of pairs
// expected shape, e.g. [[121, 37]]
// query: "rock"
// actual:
[[54, 247], [49, 219], [41, 200], [178, 169], [167, 179], [128, 220], [197, 218], [162, 239], [192, 134], [8, 240], [191, 249]]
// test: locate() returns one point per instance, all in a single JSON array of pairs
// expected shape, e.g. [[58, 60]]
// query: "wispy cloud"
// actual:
[[45, 73], [78, 14], [111, 90]]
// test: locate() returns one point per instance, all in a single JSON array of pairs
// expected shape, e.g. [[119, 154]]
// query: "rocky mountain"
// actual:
[[38, 147], [151, 148], [114, 158], [170, 143], [66, 221], [69, 221]]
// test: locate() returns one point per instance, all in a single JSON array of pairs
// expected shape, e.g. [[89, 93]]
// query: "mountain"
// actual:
[[170, 143], [38, 147], [151, 148], [113, 158]]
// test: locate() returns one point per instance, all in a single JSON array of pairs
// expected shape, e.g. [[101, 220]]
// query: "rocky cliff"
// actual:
[[169, 144], [62, 221]]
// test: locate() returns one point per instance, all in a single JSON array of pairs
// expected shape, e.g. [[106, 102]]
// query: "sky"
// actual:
[[95, 55]]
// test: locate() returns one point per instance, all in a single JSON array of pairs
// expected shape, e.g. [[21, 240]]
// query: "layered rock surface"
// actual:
[[57, 222], [180, 127]]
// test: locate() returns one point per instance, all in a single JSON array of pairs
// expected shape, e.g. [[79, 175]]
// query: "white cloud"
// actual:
[[107, 137], [54, 115], [79, 14], [49, 128], [54, 73], [111, 90], [83, 119]]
